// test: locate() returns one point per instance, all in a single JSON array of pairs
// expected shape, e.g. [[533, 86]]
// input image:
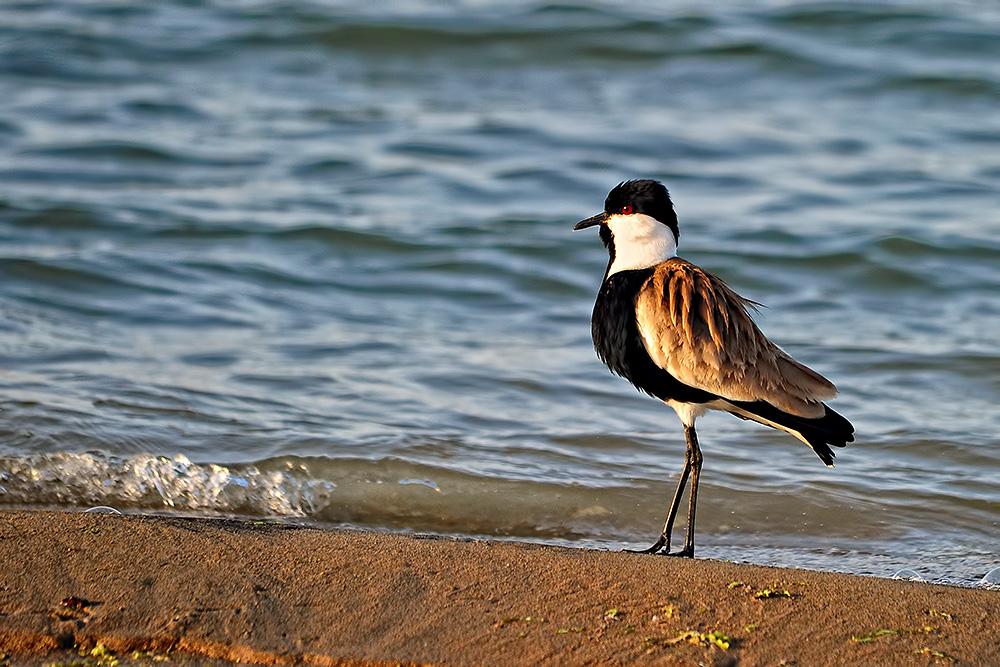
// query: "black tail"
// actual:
[[830, 429]]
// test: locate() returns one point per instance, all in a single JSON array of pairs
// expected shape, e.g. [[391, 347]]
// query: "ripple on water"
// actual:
[[315, 261]]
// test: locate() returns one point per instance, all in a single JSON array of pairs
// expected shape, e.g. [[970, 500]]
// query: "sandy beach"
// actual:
[[147, 590]]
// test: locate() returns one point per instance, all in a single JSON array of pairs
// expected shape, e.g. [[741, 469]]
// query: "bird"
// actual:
[[683, 336]]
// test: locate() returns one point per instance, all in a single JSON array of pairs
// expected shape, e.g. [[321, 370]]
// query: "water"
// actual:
[[313, 261]]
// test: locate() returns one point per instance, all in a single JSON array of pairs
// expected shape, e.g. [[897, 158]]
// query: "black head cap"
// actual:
[[643, 196]]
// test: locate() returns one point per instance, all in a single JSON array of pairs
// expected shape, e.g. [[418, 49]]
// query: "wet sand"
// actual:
[[195, 590]]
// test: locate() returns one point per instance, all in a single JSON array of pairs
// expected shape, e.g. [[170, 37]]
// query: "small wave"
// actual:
[[385, 493], [108, 150], [850, 16], [171, 110], [150, 482], [957, 86], [61, 218], [67, 272], [324, 168], [124, 151]]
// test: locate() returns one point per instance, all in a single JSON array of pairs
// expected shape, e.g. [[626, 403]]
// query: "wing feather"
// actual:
[[700, 331]]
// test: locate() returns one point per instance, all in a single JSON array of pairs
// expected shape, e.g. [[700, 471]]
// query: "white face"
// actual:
[[640, 242]]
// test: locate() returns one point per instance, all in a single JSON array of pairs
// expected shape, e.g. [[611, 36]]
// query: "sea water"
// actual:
[[313, 261]]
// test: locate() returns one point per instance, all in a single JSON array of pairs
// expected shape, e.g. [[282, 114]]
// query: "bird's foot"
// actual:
[[686, 552], [660, 544], [683, 553]]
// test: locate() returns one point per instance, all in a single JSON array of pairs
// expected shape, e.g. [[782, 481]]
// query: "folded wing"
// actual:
[[699, 330]]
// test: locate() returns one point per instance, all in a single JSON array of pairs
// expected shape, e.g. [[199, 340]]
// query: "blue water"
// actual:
[[313, 260]]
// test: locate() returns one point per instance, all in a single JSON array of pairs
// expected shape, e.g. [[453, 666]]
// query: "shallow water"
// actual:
[[314, 261]]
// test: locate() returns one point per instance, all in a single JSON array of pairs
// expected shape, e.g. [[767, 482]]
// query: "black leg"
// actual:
[[694, 459], [663, 542]]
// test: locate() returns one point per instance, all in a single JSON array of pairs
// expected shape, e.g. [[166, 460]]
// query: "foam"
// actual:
[[146, 481]]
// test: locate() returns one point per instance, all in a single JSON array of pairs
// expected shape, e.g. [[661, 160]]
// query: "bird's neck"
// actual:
[[639, 242]]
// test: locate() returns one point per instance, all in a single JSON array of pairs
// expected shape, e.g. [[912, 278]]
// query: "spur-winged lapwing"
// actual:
[[683, 336]]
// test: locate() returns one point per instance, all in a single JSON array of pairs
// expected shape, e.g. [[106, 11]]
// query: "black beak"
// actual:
[[591, 221]]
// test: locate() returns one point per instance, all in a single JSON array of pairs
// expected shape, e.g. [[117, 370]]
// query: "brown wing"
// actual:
[[699, 330]]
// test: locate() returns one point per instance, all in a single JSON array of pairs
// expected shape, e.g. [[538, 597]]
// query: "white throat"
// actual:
[[640, 242]]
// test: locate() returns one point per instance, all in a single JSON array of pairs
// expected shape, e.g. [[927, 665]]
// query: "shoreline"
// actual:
[[192, 589]]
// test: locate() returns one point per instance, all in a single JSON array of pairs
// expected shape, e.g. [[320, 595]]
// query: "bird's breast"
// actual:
[[613, 325], [619, 344]]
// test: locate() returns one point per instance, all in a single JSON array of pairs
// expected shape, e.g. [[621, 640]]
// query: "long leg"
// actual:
[[668, 526], [694, 458]]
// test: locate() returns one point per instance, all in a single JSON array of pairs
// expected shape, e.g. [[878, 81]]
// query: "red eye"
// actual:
[[626, 210]]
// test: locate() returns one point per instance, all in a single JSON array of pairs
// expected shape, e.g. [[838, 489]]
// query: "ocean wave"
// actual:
[[149, 482], [386, 492]]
